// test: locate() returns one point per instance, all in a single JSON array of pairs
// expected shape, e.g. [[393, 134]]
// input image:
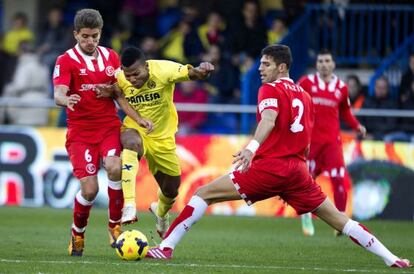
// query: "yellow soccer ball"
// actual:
[[131, 245]]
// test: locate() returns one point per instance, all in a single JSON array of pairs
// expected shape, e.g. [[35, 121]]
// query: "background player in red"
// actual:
[[274, 163], [93, 125], [330, 99]]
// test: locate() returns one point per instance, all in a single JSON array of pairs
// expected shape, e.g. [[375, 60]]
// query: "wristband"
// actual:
[[253, 146]]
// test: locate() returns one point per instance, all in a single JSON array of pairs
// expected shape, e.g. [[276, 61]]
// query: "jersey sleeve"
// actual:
[[345, 110], [61, 72], [117, 65], [121, 80], [174, 72], [268, 98], [304, 82]]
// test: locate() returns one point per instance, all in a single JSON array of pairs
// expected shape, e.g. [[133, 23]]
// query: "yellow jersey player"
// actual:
[[148, 85]]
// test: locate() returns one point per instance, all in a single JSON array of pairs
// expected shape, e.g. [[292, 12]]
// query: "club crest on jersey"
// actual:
[[110, 71], [338, 94], [151, 84], [82, 71], [90, 168]]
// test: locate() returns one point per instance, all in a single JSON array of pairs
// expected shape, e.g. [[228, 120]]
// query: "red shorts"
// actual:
[[326, 158], [86, 148], [288, 178]]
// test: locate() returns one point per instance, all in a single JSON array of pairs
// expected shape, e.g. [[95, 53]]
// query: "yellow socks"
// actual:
[[164, 204], [130, 166]]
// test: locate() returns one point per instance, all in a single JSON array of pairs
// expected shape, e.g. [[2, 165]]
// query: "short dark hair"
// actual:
[[326, 52], [355, 78], [21, 16], [279, 53], [383, 77], [87, 18], [130, 55]]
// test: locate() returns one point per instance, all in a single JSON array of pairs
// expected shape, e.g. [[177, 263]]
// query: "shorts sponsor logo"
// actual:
[[110, 71], [90, 168]]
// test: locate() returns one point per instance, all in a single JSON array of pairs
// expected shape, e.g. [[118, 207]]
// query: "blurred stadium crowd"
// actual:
[[229, 34]]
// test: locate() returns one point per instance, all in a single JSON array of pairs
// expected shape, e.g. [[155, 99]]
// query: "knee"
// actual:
[[170, 192], [89, 194], [203, 193], [134, 144], [113, 168]]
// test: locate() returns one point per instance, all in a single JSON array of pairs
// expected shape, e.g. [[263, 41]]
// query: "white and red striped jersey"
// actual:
[[330, 102], [81, 72]]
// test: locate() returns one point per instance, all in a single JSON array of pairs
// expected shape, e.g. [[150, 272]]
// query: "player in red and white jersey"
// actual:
[[330, 98], [93, 125], [81, 73], [274, 163], [282, 143]]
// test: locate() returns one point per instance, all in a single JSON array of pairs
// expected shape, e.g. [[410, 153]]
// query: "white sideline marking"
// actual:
[[210, 266]]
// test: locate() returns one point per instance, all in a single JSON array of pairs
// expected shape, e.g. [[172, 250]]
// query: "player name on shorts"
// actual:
[[143, 98]]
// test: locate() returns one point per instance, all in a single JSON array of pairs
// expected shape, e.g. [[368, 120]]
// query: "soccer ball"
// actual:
[[131, 245]]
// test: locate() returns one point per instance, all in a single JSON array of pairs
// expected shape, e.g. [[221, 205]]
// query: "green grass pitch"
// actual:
[[34, 240]]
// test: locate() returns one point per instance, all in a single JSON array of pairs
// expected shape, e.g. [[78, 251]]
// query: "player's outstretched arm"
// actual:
[[130, 111], [201, 72], [243, 158], [61, 98]]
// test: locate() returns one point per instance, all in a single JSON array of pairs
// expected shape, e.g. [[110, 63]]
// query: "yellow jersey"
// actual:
[[154, 100]]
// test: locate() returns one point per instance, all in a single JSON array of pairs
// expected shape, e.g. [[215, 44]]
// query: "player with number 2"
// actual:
[[274, 163]]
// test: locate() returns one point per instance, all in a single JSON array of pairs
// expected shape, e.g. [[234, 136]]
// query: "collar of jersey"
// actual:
[[331, 83], [286, 79], [78, 49]]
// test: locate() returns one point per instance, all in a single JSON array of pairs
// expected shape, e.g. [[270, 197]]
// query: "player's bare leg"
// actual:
[[358, 233], [167, 193], [82, 206], [132, 147], [221, 189]]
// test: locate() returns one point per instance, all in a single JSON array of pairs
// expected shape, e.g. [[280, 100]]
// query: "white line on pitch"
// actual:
[[268, 267]]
